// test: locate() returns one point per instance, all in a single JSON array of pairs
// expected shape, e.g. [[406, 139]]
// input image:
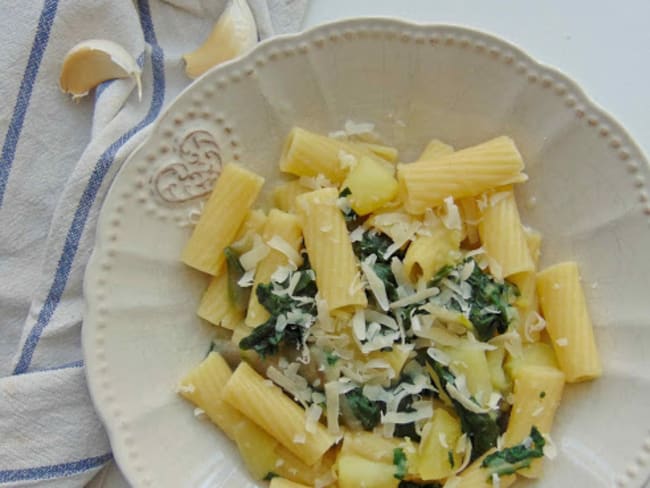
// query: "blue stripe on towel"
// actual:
[[25, 92], [54, 471], [72, 364], [104, 163]]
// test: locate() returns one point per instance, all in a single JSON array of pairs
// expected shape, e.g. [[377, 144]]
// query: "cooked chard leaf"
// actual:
[[365, 410], [377, 243], [490, 303], [238, 296], [331, 358], [407, 430], [481, 428], [385, 274], [267, 338], [450, 458], [270, 475], [400, 462], [511, 459], [372, 242]]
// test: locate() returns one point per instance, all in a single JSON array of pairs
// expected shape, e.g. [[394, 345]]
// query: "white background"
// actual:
[[602, 45]]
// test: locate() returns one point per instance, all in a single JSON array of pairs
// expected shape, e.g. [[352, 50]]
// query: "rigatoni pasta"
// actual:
[[434, 150], [567, 321], [464, 173], [309, 154], [385, 322], [330, 250], [217, 307], [266, 405], [223, 214], [537, 395], [502, 235]]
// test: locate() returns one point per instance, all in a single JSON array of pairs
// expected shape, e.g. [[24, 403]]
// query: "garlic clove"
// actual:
[[91, 62], [234, 33]]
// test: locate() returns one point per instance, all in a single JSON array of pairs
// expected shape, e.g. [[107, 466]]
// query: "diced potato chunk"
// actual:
[[535, 354], [438, 458], [371, 184], [356, 471]]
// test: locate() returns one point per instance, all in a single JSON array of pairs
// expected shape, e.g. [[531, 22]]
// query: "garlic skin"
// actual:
[[234, 33], [91, 62]]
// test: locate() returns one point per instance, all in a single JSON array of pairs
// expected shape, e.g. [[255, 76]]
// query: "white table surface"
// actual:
[[603, 46]]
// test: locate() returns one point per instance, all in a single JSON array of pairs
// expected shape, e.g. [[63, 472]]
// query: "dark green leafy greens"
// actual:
[[408, 429], [377, 244], [450, 458], [483, 429], [490, 302], [400, 462], [365, 410], [331, 358], [368, 412], [270, 475], [238, 296], [511, 459], [267, 338]]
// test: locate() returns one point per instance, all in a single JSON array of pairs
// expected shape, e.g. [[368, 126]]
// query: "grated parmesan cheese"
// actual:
[[188, 388], [421, 412], [493, 401], [562, 341], [450, 215], [259, 251], [312, 416], [550, 449], [199, 412], [290, 381], [281, 273], [346, 160], [323, 312], [439, 356], [359, 325], [357, 234], [511, 341], [467, 449], [381, 318], [247, 279], [374, 282], [300, 438], [416, 297], [316, 182], [279, 244], [464, 399], [534, 323], [442, 438], [358, 128]]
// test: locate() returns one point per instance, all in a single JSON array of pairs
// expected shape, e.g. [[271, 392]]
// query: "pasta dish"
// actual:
[[384, 324]]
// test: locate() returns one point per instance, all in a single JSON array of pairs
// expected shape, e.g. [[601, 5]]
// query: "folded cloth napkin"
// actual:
[[58, 161]]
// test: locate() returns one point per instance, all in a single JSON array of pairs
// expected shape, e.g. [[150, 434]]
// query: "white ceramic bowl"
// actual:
[[413, 82]]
